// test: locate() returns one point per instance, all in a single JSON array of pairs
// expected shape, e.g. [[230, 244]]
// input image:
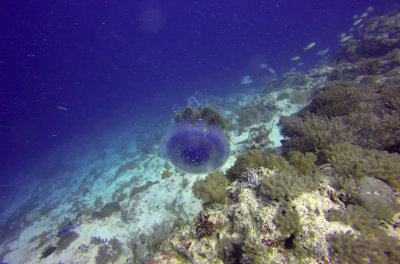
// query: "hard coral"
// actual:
[[356, 162], [204, 226], [285, 187], [312, 133], [336, 99], [212, 189], [253, 159]]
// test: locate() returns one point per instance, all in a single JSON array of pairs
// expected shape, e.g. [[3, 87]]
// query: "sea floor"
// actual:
[[81, 179]]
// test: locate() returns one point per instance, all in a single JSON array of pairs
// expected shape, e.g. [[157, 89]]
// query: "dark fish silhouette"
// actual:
[[66, 229], [47, 253]]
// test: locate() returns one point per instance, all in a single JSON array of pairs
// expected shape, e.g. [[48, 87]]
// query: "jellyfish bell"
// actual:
[[195, 148]]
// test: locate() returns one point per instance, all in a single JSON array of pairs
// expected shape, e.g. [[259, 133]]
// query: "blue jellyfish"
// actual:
[[195, 148]]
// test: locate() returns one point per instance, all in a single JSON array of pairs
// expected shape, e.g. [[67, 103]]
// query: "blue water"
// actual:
[[76, 76]]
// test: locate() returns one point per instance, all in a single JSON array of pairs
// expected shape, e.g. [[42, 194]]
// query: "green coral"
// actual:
[[372, 245], [287, 221], [212, 189], [283, 96], [292, 178], [311, 133], [285, 187], [299, 96], [336, 99], [355, 162], [252, 159], [304, 163], [360, 219], [348, 248]]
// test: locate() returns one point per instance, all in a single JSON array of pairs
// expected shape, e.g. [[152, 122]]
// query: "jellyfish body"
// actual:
[[195, 148]]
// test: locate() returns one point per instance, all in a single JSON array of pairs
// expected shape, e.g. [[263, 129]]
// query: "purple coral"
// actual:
[[251, 178]]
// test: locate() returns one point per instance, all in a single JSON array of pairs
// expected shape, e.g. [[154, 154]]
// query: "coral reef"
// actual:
[[252, 159], [356, 162], [379, 36], [330, 194], [287, 221], [292, 79], [212, 189], [211, 116], [109, 251], [258, 138], [340, 157], [251, 178], [285, 187]]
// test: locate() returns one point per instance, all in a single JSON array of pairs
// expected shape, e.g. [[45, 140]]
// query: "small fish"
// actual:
[[263, 66], [62, 108], [365, 14], [322, 52], [358, 21], [246, 80], [295, 58], [309, 46], [272, 70], [47, 253], [344, 39], [66, 229]]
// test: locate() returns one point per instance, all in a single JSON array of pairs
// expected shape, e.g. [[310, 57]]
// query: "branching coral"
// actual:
[[355, 162], [348, 248], [312, 133], [285, 187], [212, 189], [336, 99], [204, 226], [253, 159], [109, 250]]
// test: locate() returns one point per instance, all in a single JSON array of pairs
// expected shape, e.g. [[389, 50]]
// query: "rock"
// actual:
[[377, 197]]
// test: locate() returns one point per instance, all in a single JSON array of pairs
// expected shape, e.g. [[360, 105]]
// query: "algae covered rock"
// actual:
[[107, 210], [377, 197], [288, 221], [258, 138]]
